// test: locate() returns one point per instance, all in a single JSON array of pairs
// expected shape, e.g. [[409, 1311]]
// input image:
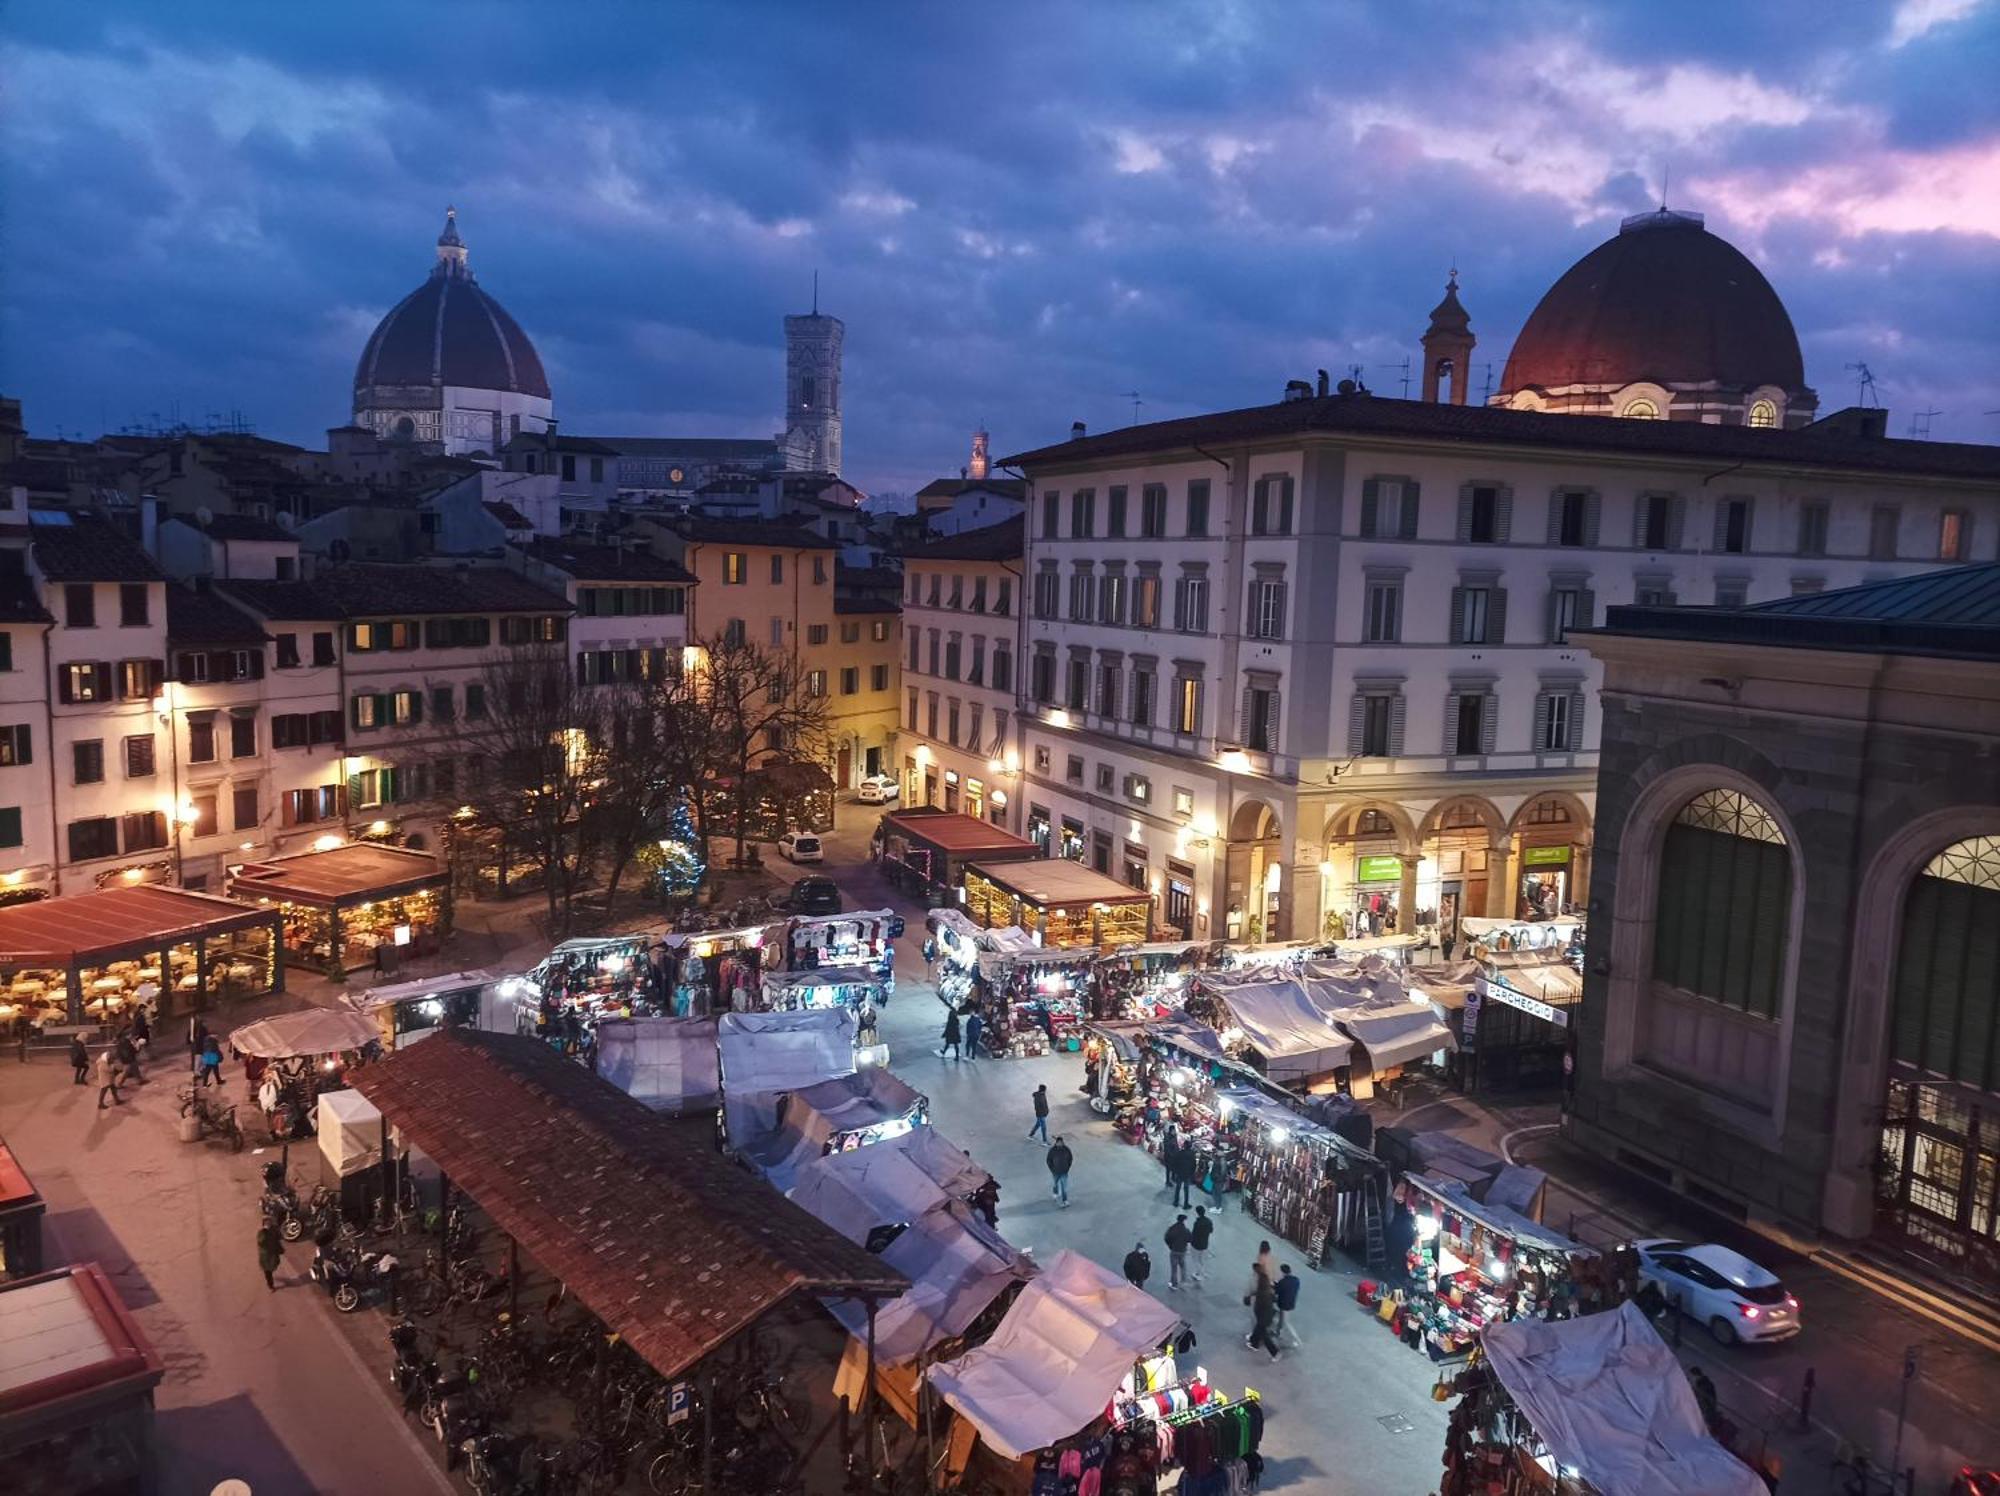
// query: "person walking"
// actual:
[[1170, 1155], [1138, 1265], [1286, 1292], [142, 1027], [211, 1062], [1059, 1159], [986, 1200], [1041, 1127], [106, 1073], [1263, 1267], [128, 1058], [270, 1252], [1198, 1239], [951, 1032], [973, 1024], [1263, 1302], [1178, 1237], [197, 1042], [79, 1058]]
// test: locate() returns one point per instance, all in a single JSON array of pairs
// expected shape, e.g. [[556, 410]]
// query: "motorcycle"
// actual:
[[451, 1407], [412, 1369], [351, 1277]]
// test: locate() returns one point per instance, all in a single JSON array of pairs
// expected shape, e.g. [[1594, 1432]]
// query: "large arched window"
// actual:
[[1763, 413], [1640, 410], [1948, 967], [1725, 898]]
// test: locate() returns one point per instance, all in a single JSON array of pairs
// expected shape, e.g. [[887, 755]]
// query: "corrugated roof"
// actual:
[[1963, 595], [955, 832], [652, 1230], [1057, 880]]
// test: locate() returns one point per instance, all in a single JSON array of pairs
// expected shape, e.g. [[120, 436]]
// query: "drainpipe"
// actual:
[[174, 761], [49, 752]]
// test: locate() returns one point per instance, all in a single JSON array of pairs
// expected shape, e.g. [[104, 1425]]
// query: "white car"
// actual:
[[799, 846], [878, 789], [1724, 1290]]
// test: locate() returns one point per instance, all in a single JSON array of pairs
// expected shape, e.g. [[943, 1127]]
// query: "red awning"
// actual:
[[84, 927]]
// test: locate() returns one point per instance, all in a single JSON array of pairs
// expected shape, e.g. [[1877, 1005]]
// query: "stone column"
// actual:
[[1406, 908], [1502, 878]]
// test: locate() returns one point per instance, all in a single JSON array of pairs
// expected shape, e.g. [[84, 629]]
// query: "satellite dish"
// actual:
[[204, 516]]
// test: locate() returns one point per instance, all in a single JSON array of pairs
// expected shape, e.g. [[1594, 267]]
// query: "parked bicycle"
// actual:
[[213, 1114]]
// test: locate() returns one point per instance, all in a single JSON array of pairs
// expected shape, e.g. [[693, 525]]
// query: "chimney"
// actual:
[[1076, 431], [1322, 383], [1297, 389]]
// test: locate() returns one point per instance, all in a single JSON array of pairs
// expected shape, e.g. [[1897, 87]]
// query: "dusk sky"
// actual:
[[1021, 211]]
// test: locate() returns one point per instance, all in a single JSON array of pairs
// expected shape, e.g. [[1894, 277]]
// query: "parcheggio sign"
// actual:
[[1491, 989]]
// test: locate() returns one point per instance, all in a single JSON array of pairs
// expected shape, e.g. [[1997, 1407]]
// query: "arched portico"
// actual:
[[1254, 899], [1369, 880], [1464, 861], [1547, 843]]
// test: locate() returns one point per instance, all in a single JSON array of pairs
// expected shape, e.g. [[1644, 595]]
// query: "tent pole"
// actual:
[[868, 1392], [924, 1417], [707, 1429]]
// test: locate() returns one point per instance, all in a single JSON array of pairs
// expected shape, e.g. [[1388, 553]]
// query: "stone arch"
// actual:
[[1454, 809], [1254, 820], [1341, 823], [1881, 894], [1579, 813], [1676, 777], [1258, 894]]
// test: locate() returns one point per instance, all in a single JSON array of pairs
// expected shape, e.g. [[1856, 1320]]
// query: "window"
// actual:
[[1046, 584], [80, 605], [132, 610], [1142, 697], [1724, 903], [1271, 506], [1389, 509], [568, 468], [1482, 514], [1051, 514], [1732, 526], [1082, 593], [973, 730], [1812, 529], [97, 837], [978, 594], [475, 703], [323, 648], [1003, 667], [1146, 600], [1004, 603], [1656, 522], [1731, 592], [1385, 612], [1082, 513], [1569, 608], [1106, 777], [242, 735], [1267, 609], [1108, 680], [1197, 507], [777, 569], [1260, 719], [10, 826], [1042, 677], [879, 630], [1041, 759], [850, 680], [1187, 707], [86, 681], [1371, 725], [1153, 510], [1073, 770], [1078, 697], [1183, 803], [1952, 527], [733, 572], [935, 667], [17, 745], [1640, 410], [366, 711], [878, 677], [6, 650], [139, 756], [976, 673], [201, 738], [288, 651], [1470, 610], [1883, 523], [87, 761], [1111, 599], [1191, 603], [205, 821], [144, 831], [1570, 512], [777, 633], [1763, 413], [815, 633], [1559, 721], [1115, 520], [138, 679], [1468, 717]]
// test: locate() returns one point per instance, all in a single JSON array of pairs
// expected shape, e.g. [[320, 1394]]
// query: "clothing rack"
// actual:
[[1219, 1403]]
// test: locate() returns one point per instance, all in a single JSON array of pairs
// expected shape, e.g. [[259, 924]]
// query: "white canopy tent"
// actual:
[[784, 1051], [313, 1031], [1394, 1032], [1284, 1025], [1611, 1402], [671, 1064], [1057, 1357]]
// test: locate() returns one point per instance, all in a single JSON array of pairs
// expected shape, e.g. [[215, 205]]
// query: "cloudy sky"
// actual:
[[1023, 211]]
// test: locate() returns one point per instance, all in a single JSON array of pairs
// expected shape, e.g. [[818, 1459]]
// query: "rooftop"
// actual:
[[1363, 416], [951, 488], [289, 601], [956, 833], [19, 602], [338, 875], [610, 563], [89, 549], [195, 617], [53, 932], [241, 527], [706, 448], [507, 514], [852, 603], [1057, 880], [768, 533], [654, 1232], [1005, 541]]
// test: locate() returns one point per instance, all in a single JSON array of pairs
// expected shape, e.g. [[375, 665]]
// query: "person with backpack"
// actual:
[[211, 1062], [1178, 1237], [1199, 1235], [1138, 1265], [1287, 1294], [1059, 1159], [1041, 1127]]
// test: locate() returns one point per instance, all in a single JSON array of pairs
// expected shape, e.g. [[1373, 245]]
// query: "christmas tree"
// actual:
[[676, 859]]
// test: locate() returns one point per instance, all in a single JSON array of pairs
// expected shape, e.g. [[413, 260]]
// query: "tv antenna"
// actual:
[[1133, 396], [1920, 424], [1405, 376], [1864, 380]]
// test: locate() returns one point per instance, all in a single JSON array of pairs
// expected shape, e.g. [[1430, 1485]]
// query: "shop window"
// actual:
[[1724, 903]]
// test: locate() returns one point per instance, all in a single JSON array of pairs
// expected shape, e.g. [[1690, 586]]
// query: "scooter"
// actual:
[[411, 1369], [452, 1408], [351, 1278], [493, 1462]]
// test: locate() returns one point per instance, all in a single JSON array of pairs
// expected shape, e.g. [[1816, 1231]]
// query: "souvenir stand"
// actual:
[[1305, 1182], [291, 1059], [1033, 1000], [719, 971], [1471, 1264], [1181, 1065], [823, 987], [955, 946], [858, 939], [1111, 1057], [594, 973], [405, 1012], [1146, 981]]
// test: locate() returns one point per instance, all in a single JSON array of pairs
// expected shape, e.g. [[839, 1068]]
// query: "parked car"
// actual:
[[814, 895], [799, 846], [1724, 1290], [878, 789]]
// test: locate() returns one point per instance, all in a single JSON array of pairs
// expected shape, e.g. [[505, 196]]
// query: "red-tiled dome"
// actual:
[[1664, 301]]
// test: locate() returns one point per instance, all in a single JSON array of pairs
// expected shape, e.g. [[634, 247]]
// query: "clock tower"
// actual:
[[812, 392]]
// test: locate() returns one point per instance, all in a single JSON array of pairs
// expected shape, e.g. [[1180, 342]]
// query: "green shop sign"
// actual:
[[1378, 870], [1544, 856]]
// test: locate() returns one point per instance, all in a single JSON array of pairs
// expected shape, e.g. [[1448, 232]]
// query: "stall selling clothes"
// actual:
[[1062, 904], [1033, 1000], [864, 938], [1180, 1073], [608, 971], [1584, 1407], [1474, 1263], [1389, 1032], [953, 944], [291, 1059], [719, 971], [346, 904], [824, 987], [1304, 1181], [1210, 1438], [1275, 1023], [1147, 981]]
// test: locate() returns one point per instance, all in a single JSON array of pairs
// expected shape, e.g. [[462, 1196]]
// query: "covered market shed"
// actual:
[[1063, 902], [86, 957], [926, 848], [343, 904]]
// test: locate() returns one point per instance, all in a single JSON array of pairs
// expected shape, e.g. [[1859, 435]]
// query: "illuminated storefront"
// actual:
[[344, 905], [1060, 904]]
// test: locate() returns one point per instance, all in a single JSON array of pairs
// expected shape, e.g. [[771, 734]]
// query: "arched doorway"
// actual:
[[1255, 902], [1371, 877], [1938, 1166], [1453, 879], [1551, 836]]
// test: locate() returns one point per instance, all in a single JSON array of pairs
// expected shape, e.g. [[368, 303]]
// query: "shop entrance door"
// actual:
[[843, 767]]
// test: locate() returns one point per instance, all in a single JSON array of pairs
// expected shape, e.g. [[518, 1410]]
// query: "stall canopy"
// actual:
[[387, 994], [914, 1184], [1284, 1025], [83, 927], [1454, 1196], [670, 1064], [1057, 1357], [784, 1051], [1445, 985], [781, 1132], [1611, 1402], [357, 872], [657, 1234], [350, 1132], [314, 1031], [1393, 1032]]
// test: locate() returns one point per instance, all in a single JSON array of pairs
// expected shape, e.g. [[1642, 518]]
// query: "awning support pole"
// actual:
[[868, 1393], [924, 1417], [513, 1281]]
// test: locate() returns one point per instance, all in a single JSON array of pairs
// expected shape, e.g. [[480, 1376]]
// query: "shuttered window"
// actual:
[[1724, 904], [1375, 724], [1947, 996]]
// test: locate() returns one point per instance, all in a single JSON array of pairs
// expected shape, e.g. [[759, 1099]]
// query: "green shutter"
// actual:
[[1371, 496]]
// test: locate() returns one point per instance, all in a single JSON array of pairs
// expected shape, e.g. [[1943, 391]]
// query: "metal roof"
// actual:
[[80, 926], [338, 875]]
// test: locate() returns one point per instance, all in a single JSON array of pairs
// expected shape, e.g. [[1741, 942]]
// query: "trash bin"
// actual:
[[190, 1128]]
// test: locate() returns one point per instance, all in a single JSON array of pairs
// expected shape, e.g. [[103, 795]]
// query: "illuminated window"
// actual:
[[1640, 410], [1763, 413]]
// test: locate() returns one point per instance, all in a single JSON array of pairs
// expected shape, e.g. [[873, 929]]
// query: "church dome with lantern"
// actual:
[[448, 368], [1664, 321]]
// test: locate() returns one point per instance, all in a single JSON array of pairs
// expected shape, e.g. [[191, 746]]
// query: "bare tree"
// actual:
[[657, 755], [751, 706]]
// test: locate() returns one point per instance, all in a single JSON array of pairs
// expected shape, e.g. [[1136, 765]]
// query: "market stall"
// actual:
[[719, 971], [824, 987], [1389, 1033], [862, 938], [1111, 1053], [1304, 1181], [1275, 1023], [1032, 999], [21, 1212], [292, 1059], [1147, 981], [1585, 1407], [351, 906], [1396, 949], [1062, 904], [784, 1051], [1275, 957], [952, 945], [673, 1065], [92, 957], [1558, 934], [779, 1132], [924, 850], [405, 1012]]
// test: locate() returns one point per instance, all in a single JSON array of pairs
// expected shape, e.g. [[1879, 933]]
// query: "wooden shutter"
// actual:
[[1273, 706], [1260, 506], [1278, 630], [1489, 721], [1541, 721], [1464, 513], [1250, 614], [1410, 497], [1451, 722], [1458, 615], [1371, 503], [1721, 524], [1640, 506], [1553, 619], [1396, 705], [1503, 515], [1676, 522], [1555, 534], [1357, 717], [1593, 503], [1586, 608], [1576, 722], [1285, 506], [1496, 615], [1243, 717]]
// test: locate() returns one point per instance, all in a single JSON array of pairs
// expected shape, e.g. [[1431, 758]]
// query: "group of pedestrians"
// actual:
[[951, 1048], [1269, 1300], [117, 1064]]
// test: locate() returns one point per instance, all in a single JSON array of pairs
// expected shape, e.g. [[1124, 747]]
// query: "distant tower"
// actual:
[[979, 464], [1448, 346], [812, 390]]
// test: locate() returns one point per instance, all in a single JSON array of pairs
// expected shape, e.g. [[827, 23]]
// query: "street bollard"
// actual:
[[1805, 1401]]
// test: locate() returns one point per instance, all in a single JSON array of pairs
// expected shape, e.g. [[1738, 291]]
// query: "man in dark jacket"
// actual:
[[951, 1036], [1184, 1174], [1059, 1160], [1041, 1127], [79, 1059], [1178, 1237], [1263, 1302], [128, 1058], [1287, 1295], [1198, 1238], [1138, 1265]]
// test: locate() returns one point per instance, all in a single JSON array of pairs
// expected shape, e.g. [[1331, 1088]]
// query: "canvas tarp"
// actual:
[[1285, 1026], [1057, 1356], [780, 1132], [1543, 976], [957, 1265], [1445, 985], [350, 1132], [1394, 1033], [784, 1051], [671, 1064], [313, 1031], [1611, 1402]]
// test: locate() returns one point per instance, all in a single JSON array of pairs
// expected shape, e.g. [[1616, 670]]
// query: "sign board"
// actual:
[[1378, 869], [1471, 1019], [1500, 992], [679, 1400], [1544, 856]]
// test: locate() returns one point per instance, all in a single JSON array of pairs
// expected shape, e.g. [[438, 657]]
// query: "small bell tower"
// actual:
[[1448, 346]]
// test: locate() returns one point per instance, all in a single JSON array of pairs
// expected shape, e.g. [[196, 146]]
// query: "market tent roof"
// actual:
[[957, 834], [53, 932], [1523, 934], [1546, 978], [1508, 1222], [779, 1133], [339, 875], [1057, 1356], [670, 1064], [1446, 984], [957, 1264], [1394, 1033], [655, 1232], [1045, 881], [818, 976], [784, 1051], [314, 1031], [1611, 1402], [1285, 1026], [1123, 1035], [368, 999]]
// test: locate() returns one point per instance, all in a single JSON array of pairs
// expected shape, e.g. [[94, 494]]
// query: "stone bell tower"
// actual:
[[812, 390], [1448, 346]]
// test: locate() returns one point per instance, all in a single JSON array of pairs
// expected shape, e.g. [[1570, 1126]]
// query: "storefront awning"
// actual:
[[314, 1031], [88, 927], [359, 872], [1056, 882]]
